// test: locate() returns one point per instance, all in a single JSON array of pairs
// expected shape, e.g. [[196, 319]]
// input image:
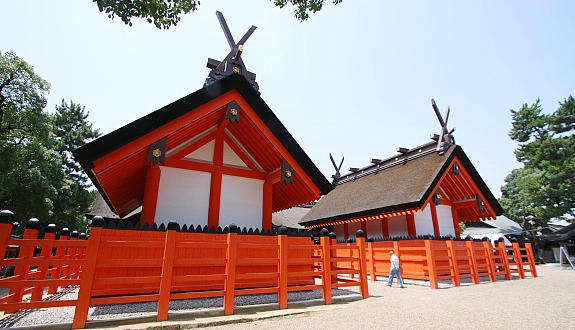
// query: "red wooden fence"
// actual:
[[116, 266], [435, 260]]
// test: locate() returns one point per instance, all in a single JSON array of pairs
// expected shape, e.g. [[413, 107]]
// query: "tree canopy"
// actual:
[[38, 178], [545, 187], [166, 13]]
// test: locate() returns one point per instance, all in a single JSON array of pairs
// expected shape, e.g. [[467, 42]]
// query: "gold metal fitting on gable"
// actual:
[[288, 174], [157, 153], [236, 69], [233, 111]]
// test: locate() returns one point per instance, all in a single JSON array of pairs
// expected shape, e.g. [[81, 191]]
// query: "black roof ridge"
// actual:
[[397, 159]]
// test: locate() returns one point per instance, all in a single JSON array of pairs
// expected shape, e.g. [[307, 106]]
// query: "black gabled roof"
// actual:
[[562, 235], [94, 150]]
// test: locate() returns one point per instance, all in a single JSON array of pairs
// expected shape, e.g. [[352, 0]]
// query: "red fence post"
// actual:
[[326, 251], [371, 259], [283, 267], [490, 259], [88, 272], [474, 268], [531, 259], [230, 285], [49, 234], [167, 270], [360, 239], [433, 282], [503, 250], [74, 255], [518, 259], [455, 279], [60, 251], [6, 221], [26, 253]]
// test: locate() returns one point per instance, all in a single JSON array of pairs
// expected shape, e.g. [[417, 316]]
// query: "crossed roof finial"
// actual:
[[233, 62], [445, 138]]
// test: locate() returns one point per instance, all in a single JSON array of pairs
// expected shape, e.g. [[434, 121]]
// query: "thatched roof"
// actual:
[[290, 217], [404, 186]]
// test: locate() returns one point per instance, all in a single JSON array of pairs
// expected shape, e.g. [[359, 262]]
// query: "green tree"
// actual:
[[166, 13], [27, 165], [34, 163], [544, 188], [72, 130]]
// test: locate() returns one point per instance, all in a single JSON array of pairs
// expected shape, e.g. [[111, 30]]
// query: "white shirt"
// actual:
[[394, 262]]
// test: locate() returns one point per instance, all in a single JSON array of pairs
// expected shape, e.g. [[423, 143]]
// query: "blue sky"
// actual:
[[355, 80]]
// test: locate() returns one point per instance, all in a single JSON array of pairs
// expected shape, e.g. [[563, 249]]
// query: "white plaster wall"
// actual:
[[424, 221], [338, 230], [204, 153], [353, 228], [445, 219], [397, 226], [241, 202], [374, 228], [231, 158], [183, 196]]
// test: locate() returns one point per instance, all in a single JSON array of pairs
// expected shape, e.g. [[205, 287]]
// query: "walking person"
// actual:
[[394, 268]]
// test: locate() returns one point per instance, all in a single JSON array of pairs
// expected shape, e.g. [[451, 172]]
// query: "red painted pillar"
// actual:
[[455, 217], [411, 230], [385, 227], [267, 206], [434, 219], [215, 199], [151, 195]]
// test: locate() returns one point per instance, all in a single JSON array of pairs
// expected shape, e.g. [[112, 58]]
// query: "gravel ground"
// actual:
[[544, 302]]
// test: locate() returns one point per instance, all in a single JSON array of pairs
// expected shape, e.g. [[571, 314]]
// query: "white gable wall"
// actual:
[[424, 222], [373, 228], [241, 202], [352, 228], [338, 230], [183, 196], [204, 153], [445, 220], [397, 226]]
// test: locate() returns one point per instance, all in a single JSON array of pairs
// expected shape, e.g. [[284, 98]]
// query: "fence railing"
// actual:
[[118, 266], [436, 260]]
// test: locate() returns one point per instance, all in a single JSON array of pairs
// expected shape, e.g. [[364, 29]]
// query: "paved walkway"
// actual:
[[545, 302]]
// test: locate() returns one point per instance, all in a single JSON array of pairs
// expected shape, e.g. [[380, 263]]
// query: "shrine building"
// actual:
[[427, 190]]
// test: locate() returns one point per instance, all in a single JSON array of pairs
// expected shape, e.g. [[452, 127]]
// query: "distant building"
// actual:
[[426, 190]]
